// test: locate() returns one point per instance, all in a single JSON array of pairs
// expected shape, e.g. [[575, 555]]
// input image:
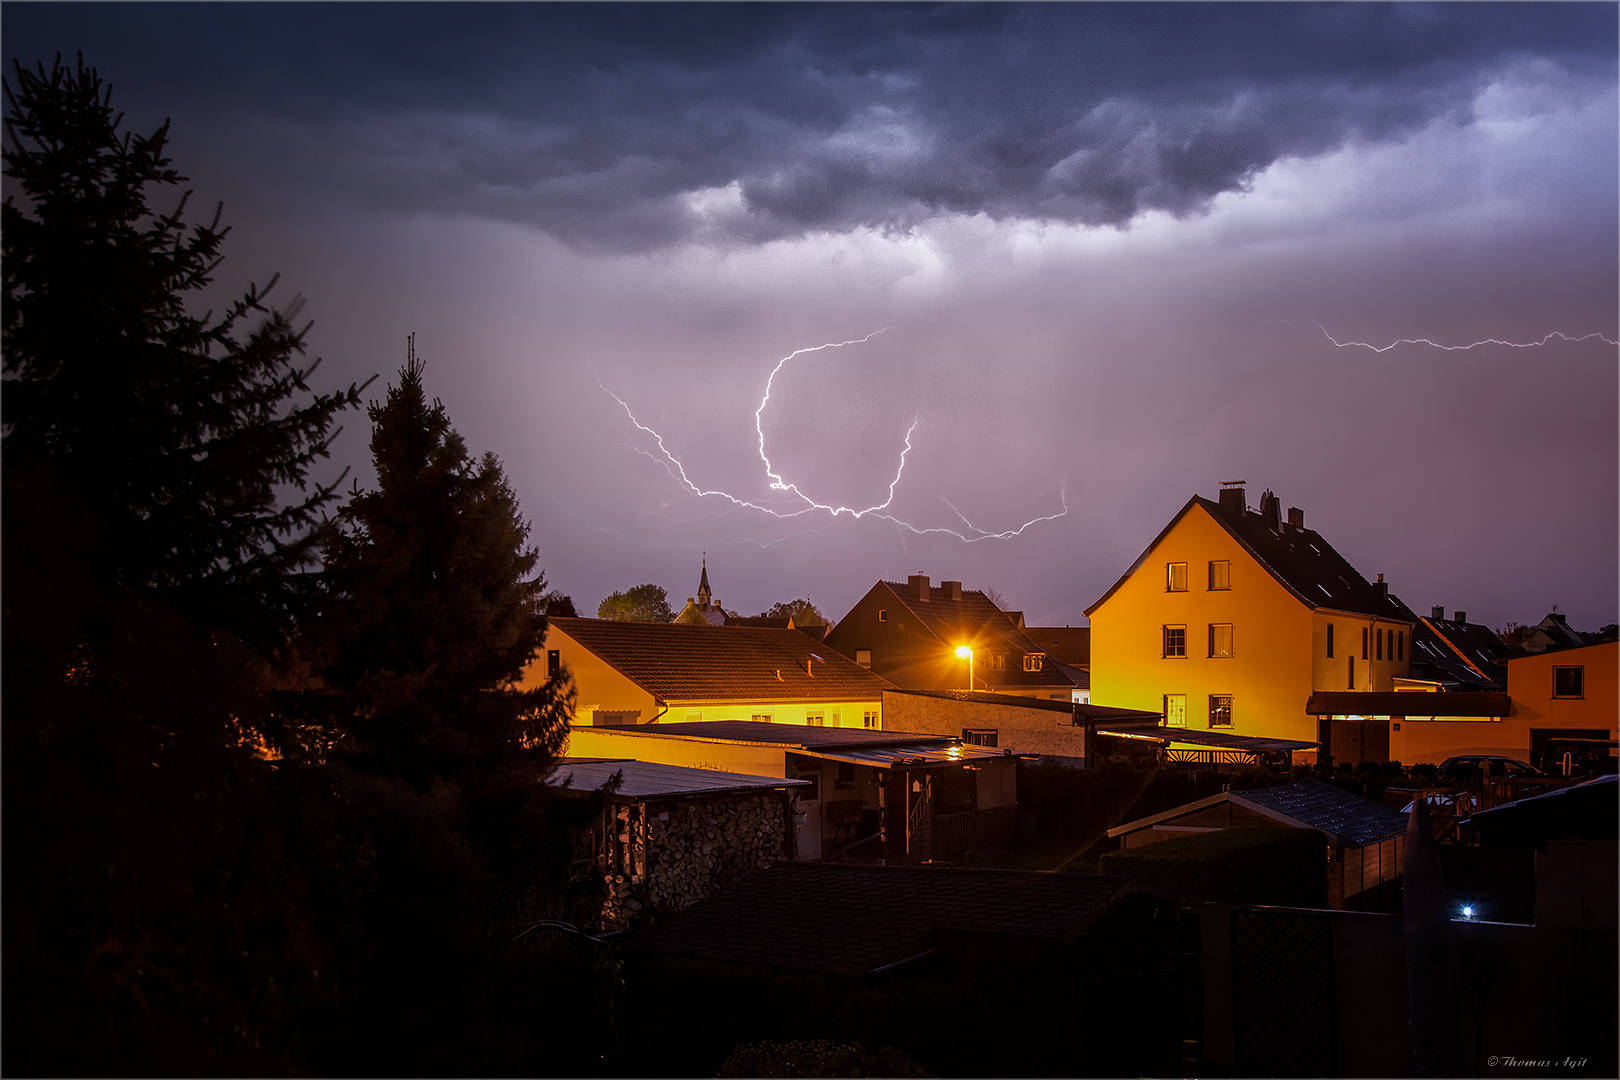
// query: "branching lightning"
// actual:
[[677, 470], [1555, 335]]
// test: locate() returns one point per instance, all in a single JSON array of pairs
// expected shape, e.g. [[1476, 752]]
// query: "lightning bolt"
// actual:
[[677, 470], [1558, 335]]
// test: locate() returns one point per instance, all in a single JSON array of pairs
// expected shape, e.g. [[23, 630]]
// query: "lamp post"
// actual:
[[965, 653]]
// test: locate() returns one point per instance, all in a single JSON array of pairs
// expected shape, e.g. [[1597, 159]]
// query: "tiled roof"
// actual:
[[974, 618], [647, 779], [1407, 703], [1070, 644], [674, 662], [1469, 653], [1299, 559], [855, 919], [985, 697], [1346, 818]]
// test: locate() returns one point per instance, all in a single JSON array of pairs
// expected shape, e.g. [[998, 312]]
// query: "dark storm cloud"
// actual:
[[600, 123]]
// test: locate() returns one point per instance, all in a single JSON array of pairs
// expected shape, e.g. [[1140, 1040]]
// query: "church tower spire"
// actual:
[[703, 593]]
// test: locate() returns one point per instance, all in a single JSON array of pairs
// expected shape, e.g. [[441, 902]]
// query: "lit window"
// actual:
[[1175, 641], [998, 662], [837, 718], [863, 657], [1032, 661], [1569, 682], [870, 719], [1175, 579], [883, 614], [1220, 574], [980, 737], [1175, 710], [1220, 710], [1330, 639], [815, 719], [1220, 639], [761, 718]]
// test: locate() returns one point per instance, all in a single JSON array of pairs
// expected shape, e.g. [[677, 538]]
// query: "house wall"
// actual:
[[1019, 728], [1432, 741], [585, 741], [600, 686], [1530, 686], [904, 650], [1269, 675], [849, 714], [1371, 673]]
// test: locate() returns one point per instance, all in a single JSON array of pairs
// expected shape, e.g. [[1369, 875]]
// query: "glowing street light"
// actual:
[[965, 653]]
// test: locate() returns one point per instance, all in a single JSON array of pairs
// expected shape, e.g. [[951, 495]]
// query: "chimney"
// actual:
[[1271, 511], [953, 589], [1296, 517], [1437, 613], [1232, 497], [1460, 616], [917, 586], [1383, 588]]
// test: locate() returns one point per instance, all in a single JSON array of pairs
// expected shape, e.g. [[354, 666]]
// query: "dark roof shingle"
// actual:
[[1343, 816]]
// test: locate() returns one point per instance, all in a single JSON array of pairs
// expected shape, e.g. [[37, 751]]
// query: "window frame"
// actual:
[[998, 661], [980, 736], [1400, 646], [762, 717], [866, 663], [1231, 649], [1351, 683], [872, 718], [553, 663], [1378, 644], [1330, 641], [1366, 635], [1226, 574], [1170, 577], [1580, 693], [816, 718], [1164, 641], [1216, 707], [1034, 661], [1182, 700], [883, 614]]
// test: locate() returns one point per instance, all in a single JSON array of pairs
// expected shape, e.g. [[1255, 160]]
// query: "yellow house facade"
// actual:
[[1231, 619], [628, 673]]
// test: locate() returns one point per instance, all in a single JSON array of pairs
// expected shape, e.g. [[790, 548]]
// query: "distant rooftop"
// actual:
[[647, 779]]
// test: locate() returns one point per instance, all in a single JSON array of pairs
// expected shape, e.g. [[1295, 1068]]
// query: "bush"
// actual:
[[1237, 866]]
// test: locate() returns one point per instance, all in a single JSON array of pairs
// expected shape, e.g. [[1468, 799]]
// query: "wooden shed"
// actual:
[[1366, 841]]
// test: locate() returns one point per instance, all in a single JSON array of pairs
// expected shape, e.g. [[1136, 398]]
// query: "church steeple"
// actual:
[[703, 593]]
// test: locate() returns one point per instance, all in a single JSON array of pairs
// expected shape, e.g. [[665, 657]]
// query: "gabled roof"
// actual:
[[1471, 654], [856, 920], [1070, 644], [675, 662], [1299, 559], [1407, 703], [648, 779], [976, 619], [1347, 820]]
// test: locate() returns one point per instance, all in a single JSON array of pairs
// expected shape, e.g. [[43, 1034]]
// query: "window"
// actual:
[[837, 718], [606, 718], [998, 662], [1220, 710], [1352, 662], [813, 792], [1364, 635], [1220, 639], [815, 719], [1569, 682], [1220, 574], [1175, 641], [846, 775], [694, 715], [979, 736], [1330, 639], [870, 718], [1175, 577], [761, 718], [1032, 661], [1175, 710], [553, 663], [863, 657], [1380, 643], [883, 614], [1400, 645]]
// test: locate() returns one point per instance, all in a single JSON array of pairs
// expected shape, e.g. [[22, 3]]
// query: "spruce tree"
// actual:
[[435, 605]]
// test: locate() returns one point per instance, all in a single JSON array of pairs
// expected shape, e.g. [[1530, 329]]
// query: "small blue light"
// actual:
[[1468, 911]]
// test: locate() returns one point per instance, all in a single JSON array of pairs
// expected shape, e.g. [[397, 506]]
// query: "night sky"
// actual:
[[1106, 247]]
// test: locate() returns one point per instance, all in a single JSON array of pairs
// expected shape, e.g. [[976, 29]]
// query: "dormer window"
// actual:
[[998, 662], [1032, 661], [1175, 577]]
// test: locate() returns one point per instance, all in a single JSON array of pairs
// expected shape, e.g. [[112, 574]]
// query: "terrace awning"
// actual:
[[1202, 738]]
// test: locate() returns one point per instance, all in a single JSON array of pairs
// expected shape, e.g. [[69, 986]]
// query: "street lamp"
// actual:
[[965, 653]]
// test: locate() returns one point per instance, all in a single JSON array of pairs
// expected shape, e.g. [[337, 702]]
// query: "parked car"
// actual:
[[1472, 767], [1456, 804]]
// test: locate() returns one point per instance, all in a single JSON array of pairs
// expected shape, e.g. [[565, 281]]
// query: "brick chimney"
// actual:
[[1460, 616], [1438, 613], [1296, 518], [1271, 510], [1232, 500], [1383, 588], [953, 589], [917, 587]]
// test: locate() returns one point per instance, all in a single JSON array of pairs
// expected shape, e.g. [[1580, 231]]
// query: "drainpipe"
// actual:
[[660, 712]]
